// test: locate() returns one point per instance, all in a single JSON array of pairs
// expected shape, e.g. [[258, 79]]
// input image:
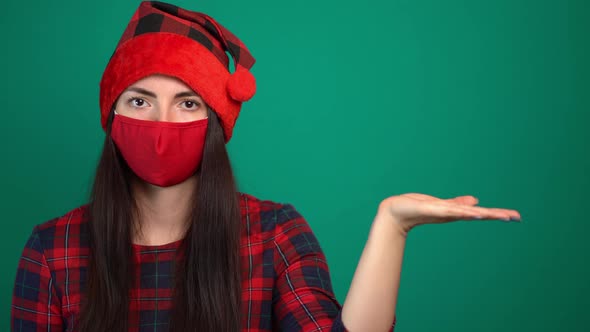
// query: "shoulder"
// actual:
[[75, 216], [273, 220], [63, 231], [282, 229], [250, 204], [266, 213]]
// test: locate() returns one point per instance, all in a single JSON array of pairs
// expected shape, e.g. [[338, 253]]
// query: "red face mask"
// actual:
[[161, 153]]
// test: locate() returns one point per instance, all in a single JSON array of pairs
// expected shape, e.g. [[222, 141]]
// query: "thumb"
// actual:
[[465, 200]]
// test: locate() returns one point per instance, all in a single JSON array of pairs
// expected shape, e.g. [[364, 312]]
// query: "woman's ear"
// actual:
[[110, 118]]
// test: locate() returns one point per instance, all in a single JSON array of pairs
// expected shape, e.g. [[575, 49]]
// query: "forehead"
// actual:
[[160, 82]]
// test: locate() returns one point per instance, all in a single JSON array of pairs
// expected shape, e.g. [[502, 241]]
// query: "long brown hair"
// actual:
[[207, 289]]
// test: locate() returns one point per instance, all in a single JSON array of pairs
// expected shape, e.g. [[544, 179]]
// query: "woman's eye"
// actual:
[[191, 104], [141, 103], [138, 102]]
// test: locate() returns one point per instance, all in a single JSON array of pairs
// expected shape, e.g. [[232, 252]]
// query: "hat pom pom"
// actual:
[[241, 85]]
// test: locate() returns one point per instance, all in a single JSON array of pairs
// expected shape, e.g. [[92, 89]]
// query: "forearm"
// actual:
[[370, 303]]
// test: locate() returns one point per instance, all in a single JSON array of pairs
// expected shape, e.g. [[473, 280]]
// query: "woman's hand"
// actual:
[[412, 209]]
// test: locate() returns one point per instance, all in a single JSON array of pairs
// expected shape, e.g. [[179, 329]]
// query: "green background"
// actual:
[[356, 101]]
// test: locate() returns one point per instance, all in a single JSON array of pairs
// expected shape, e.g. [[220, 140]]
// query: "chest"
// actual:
[[150, 299]]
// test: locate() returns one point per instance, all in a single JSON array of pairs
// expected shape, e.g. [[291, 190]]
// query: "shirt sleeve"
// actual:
[[35, 302], [303, 298]]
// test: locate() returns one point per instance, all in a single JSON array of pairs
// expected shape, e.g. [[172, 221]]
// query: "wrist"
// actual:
[[386, 223]]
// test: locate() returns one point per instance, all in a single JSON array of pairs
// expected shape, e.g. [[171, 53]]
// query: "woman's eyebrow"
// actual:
[[186, 94], [153, 95]]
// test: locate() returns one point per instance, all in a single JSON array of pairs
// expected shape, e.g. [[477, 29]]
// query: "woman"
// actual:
[[167, 243]]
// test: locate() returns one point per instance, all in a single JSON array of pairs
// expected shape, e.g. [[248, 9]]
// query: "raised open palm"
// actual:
[[412, 209]]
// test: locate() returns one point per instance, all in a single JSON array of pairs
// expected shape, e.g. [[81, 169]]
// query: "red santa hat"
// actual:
[[165, 39]]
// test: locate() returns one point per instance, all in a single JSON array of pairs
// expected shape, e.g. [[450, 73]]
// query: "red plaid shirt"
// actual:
[[286, 282]]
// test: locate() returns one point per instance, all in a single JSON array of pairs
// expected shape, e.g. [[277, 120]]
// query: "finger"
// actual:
[[421, 197], [467, 207], [457, 211], [490, 213], [485, 211], [451, 212], [465, 199]]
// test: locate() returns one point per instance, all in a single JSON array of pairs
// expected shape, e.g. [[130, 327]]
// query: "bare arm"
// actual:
[[371, 300], [370, 303]]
